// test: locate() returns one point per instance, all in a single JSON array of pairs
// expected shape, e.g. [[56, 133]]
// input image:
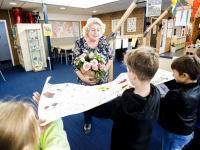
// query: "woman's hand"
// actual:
[[87, 80], [36, 97], [43, 128]]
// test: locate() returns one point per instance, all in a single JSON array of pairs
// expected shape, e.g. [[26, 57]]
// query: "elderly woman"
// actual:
[[92, 40]]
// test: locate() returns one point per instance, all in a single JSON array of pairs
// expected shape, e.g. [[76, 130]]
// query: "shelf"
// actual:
[[34, 50]]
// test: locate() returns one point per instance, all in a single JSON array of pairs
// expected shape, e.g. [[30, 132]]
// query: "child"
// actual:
[[20, 129], [134, 112], [195, 143], [177, 110]]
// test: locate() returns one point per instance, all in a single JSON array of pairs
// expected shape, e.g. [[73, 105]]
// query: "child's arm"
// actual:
[[109, 110]]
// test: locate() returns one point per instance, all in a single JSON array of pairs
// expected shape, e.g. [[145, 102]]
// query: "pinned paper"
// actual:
[[125, 43], [118, 43], [134, 40]]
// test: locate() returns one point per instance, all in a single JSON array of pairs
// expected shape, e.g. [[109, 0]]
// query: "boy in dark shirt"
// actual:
[[134, 112], [177, 109]]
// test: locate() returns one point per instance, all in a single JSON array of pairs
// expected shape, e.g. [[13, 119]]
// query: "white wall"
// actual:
[[62, 17], [65, 17]]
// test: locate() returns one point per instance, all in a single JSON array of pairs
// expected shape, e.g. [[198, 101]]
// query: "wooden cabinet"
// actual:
[[30, 46]]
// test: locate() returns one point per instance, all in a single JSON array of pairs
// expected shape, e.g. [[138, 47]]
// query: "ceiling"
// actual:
[[106, 8]]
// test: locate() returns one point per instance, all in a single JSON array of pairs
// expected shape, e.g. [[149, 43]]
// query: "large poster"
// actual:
[[62, 29], [59, 100]]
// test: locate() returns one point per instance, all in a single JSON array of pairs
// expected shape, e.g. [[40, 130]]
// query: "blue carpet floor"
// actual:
[[19, 82]]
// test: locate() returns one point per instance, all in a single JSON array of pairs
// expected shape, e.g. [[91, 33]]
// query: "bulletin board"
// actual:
[[131, 24], [61, 29]]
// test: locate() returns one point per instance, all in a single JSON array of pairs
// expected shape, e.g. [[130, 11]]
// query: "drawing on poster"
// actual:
[[59, 100], [153, 8], [62, 29], [131, 24]]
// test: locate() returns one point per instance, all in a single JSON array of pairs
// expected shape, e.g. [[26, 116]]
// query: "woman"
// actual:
[[92, 40]]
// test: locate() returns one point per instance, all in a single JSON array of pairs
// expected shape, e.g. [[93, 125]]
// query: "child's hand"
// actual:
[[43, 128], [36, 97]]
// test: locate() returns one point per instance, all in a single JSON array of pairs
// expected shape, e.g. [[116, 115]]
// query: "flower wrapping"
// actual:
[[91, 64]]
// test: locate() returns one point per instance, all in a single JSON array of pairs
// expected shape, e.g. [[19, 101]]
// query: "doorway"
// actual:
[[153, 35], [6, 57]]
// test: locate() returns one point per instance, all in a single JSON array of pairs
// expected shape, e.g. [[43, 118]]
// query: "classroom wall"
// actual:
[[139, 13], [51, 16], [108, 17], [62, 17]]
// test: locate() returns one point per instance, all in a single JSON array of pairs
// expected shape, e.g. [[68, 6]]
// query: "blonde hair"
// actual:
[[93, 21], [143, 61], [18, 126]]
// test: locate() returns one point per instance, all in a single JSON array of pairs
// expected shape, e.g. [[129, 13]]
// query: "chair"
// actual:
[[61, 53], [69, 53], [2, 75], [54, 52]]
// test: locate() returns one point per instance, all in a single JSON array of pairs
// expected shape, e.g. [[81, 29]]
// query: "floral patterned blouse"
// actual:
[[103, 48]]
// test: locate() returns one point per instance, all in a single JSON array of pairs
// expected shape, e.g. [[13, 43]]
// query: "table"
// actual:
[[192, 48], [65, 48]]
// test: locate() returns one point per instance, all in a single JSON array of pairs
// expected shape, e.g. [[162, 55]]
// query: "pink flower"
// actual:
[[84, 54], [94, 62], [91, 55], [86, 66], [95, 68], [102, 68], [82, 59], [99, 64]]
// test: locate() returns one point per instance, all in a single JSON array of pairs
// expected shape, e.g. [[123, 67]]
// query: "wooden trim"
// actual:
[[190, 2], [111, 67], [186, 7], [144, 41], [129, 36], [32, 29]]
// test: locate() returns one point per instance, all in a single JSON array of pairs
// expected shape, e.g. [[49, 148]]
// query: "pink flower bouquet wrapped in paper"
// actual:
[[91, 64]]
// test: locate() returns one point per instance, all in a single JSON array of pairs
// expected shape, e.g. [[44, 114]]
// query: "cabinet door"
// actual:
[[4, 48]]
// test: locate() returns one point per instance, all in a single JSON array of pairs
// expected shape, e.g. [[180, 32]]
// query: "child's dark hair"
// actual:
[[188, 64]]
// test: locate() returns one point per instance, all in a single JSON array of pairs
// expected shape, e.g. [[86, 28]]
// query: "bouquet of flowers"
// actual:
[[91, 64]]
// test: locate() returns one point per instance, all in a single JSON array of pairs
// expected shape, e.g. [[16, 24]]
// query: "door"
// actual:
[[154, 31], [4, 47]]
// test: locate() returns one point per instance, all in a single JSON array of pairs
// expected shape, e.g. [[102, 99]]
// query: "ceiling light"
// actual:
[[62, 7], [94, 11], [12, 3], [188, 4]]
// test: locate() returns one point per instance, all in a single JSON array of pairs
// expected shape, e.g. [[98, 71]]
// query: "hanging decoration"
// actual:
[[196, 4], [175, 5], [182, 11]]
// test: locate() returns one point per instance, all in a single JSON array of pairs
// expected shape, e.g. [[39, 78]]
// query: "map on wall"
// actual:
[[62, 29]]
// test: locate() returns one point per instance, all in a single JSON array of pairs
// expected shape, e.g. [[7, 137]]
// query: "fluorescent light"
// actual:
[[12, 3], [62, 7], [94, 11], [188, 4]]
